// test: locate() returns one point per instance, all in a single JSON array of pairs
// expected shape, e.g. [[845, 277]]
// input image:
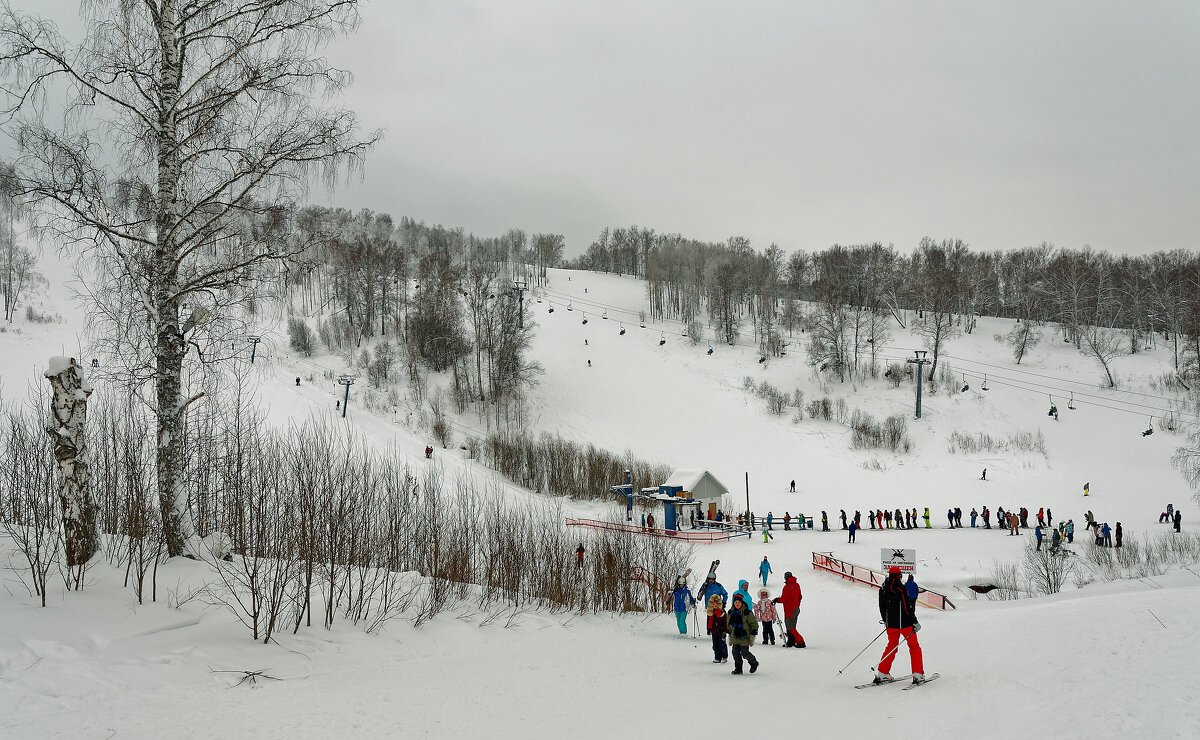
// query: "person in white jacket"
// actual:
[[764, 612]]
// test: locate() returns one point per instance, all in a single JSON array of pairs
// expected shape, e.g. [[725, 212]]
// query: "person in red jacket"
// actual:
[[790, 598], [899, 616]]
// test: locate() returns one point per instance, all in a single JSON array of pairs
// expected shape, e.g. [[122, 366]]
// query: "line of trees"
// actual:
[[1103, 304]]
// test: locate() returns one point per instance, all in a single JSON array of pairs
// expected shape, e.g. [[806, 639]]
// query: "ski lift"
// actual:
[[1053, 409], [643, 324], [585, 317], [622, 330], [569, 304], [984, 386], [966, 387], [1149, 428], [1071, 402], [551, 308], [683, 332], [662, 339], [710, 348], [1171, 422], [605, 316]]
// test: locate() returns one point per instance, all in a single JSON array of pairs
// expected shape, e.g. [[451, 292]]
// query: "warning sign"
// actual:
[[905, 560]]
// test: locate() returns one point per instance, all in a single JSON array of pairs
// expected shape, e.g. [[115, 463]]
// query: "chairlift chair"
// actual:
[[551, 308], [1071, 402], [662, 339], [605, 316], [710, 348], [966, 387], [984, 386], [622, 330], [585, 317], [569, 306], [1149, 428]]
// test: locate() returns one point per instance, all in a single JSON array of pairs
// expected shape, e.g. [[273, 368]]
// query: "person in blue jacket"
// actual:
[[711, 588], [764, 568], [913, 590], [683, 600], [744, 590]]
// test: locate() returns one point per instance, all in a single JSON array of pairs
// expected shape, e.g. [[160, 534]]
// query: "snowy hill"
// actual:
[[1110, 659]]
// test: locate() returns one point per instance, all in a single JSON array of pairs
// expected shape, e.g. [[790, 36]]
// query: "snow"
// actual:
[[1093, 662], [58, 365]]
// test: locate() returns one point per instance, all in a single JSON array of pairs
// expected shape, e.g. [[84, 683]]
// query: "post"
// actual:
[[747, 497], [347, 381], [65, 425], [920, 361], [254, 347]]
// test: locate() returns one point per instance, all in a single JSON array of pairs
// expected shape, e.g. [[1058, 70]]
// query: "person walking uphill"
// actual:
[[790, 598], [683, 599], [744, 591], [707, 591], [764, 569], [900, 619], [718, 627], [743, 631]]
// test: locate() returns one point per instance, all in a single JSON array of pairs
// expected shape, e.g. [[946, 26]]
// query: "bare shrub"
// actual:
[[1046, 571]]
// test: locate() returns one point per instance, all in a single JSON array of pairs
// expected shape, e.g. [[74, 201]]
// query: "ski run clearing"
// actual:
[[1111, 659]]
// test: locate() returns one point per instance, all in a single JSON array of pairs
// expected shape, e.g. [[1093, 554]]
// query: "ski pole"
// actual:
[[695, 622], [860, 652]]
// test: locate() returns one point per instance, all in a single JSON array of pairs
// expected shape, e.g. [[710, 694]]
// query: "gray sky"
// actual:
[[801, 123]]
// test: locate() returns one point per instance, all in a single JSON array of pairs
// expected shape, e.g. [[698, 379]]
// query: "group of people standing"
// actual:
[[739, 620]]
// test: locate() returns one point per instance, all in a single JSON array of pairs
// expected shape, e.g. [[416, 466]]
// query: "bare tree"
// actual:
[[211, 101], [65, 425], [1104, 344], [1022, 338]]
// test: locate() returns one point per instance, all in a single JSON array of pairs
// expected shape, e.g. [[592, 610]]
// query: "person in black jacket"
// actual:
[[899, 616]]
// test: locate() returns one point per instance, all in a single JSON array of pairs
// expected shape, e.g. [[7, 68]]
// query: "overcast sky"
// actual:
[[801, 123]]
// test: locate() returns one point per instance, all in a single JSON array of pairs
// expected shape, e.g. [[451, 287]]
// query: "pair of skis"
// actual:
[[901, 679]]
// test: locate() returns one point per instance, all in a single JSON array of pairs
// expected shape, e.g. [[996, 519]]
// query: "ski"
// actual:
[[713, 567], [930, 677], [896, 679]]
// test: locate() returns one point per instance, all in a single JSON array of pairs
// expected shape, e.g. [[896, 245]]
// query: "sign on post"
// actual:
[[905, 560]]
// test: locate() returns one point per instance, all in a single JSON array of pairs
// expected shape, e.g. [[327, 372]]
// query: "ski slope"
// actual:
[[1108, 660]]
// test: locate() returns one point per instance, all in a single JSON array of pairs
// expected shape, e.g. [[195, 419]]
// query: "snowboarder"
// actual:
[[1014, 522], [927, 525], [793, 487], [297, 381], [900, 620], [717, 627], [791, 598], [1049, 517], [950, 517], [1118, 534], [1106, 534], [853, 529], [764, 612], [764, 569], [1086, 488], [743, 631], [683, 599], [974, 514], [984, 476], [1178, 516], [1041, 517], [1055, 540], [958, 516], [1070, 531], [766, 534], [1037, 532]]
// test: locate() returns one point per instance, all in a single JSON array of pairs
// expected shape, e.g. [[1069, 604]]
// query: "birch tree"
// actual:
[[65, 425], [213, 104]]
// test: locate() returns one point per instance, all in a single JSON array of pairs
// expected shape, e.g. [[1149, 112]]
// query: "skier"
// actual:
[[1037, 532], [974, 514], [764, 612], [743, 631], [958, 516], [589, 363], [824, 521], [428, 452], [844, 519], [899, 519], [791, 598], [764, 569], [683, 600], [927, 526], [1070, 531], [793, 487], [987, 515], [887, 518], [1177, 518], [984, 476], [708, 590], [717, 627], [879, 517], [871, 519], [744, 590], [858, 518], [853, 529], [900, 620]]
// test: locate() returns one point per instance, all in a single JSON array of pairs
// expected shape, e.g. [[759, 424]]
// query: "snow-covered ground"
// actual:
[[1095, 662]]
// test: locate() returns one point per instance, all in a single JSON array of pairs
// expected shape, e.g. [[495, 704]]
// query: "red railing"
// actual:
[[866, 576], [686, 535]]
